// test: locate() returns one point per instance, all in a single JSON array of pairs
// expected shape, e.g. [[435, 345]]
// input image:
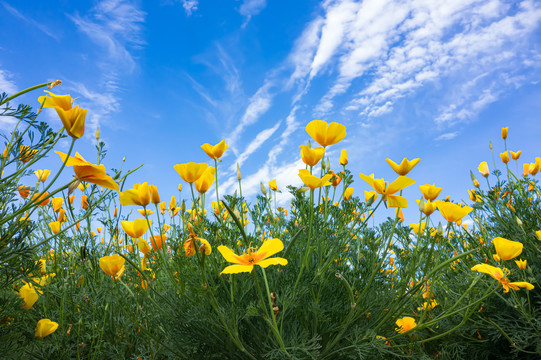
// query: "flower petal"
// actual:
[[235, 269]]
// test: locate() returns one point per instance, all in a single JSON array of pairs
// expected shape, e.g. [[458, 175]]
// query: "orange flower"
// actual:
[[24, 191], [84, 200], [505, 157], [311, 156], [343, 157], [515, 155], [40, 198], [504, 132], [157, 241]]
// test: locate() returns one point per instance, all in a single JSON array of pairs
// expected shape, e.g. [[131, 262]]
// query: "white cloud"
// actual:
[[190, 6], [7, 85], [259, 103], [251, 8], [447, 136], [114, 25], [254, 145], [44, 29]]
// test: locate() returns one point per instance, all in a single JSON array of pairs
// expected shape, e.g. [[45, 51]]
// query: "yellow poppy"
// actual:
[[135, 229], [251, 257], [313, 182], [272, 185], [45, 327], [311, 156], [497, 274], [430, 192], [324, 134], [73, 118], [343, 157], [88, 172], [42, 175], [215, 152], [405, 324], [29, 295], [348, 193], [112, 265], [452, 212], [191, 171], [405, 166], [206, 180], [507, 249], [483, 169], [139, 195], [388, 191]]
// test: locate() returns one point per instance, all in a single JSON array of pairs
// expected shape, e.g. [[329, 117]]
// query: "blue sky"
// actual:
[[423, 78]]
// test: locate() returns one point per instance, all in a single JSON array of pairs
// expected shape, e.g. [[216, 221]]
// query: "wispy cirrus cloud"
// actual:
[[41, 27], [251, 8], [116, 26]]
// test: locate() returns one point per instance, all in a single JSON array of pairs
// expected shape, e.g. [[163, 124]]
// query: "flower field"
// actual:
[[102, 268]]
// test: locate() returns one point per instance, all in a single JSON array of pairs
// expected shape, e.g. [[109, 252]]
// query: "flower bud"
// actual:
[[98, 134], [504, 132], [154, 195], [263, 189], [239, 177], [519, 222]]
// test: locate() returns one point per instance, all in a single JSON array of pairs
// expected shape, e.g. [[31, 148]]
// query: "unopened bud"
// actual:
[[422, 205], [490, 145], [440, 229], [183, 207], [97, 134], [519, 222], [263, 189], [239, 177], [328, 164]]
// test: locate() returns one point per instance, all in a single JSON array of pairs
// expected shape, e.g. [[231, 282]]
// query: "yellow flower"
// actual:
[[139, 195], [311, 156], [538, 235], [55, 227], [452, 212], [191, 171], [86, 171], [272, 185], [42, 175], [428, 207], [215, 152], [405, 166], [113, 265], [483, 168], [173, 204], [348, 193], [343, 157], [430, 192], [29, 294], [504, 132], [313, 182], [370, 194], [45, 327], [405, 324], [205, 247], [427, 306], [515, 155], [497, 274], [251, 257], [415, 228], [507, 249], [505, 157], [143, 246], [57, 203], [324, 134], [73, 119], [206, 180], [145, 212], [135, 229], [533, 168], [388, 191], [521, 264]]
